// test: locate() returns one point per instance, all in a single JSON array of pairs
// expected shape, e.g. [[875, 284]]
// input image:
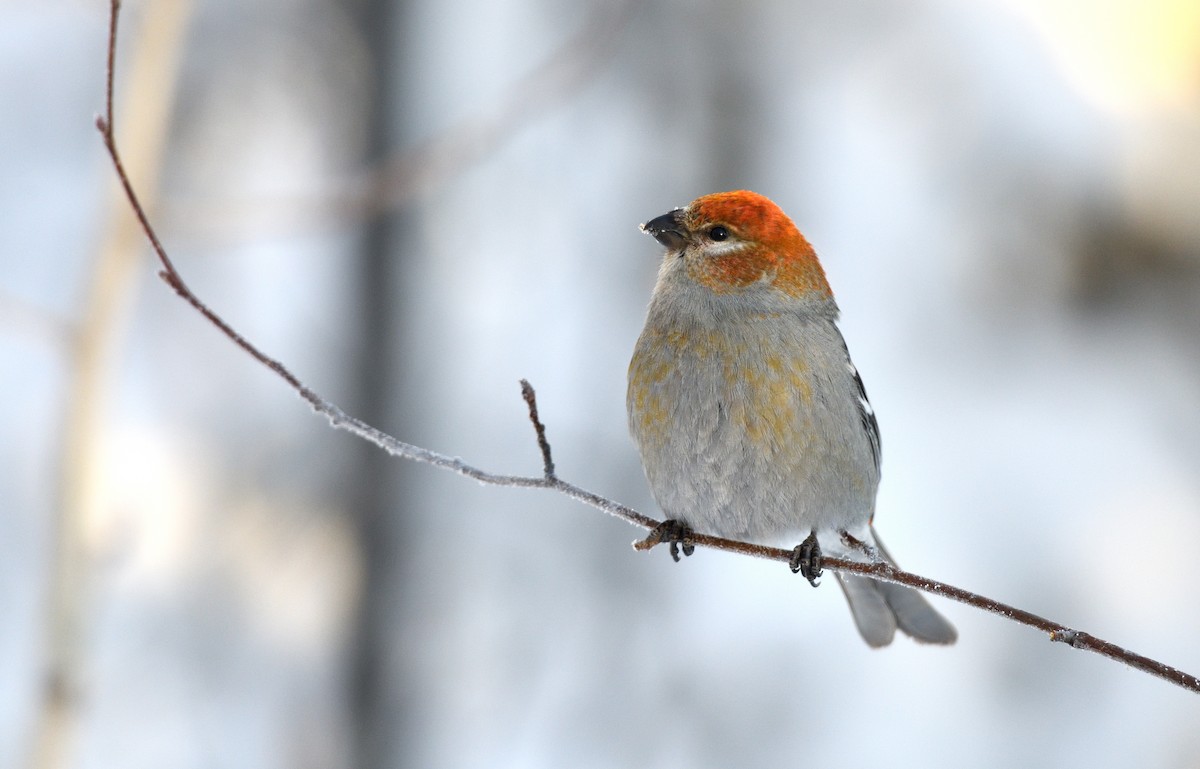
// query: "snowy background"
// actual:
[[1005, 194]]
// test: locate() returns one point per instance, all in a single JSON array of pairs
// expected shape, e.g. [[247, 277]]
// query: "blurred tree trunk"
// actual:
[[157, 42], [380, 715], [730, 99]]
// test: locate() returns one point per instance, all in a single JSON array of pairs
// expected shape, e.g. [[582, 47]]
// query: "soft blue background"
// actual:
[[1012, 236]]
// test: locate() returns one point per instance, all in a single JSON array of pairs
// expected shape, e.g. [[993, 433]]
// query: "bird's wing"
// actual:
[[865, 412]]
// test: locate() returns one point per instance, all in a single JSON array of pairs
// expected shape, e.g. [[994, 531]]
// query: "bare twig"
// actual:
[[539, 428], [337, 418]]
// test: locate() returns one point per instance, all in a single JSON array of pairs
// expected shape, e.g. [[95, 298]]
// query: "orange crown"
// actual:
[[775, 250]]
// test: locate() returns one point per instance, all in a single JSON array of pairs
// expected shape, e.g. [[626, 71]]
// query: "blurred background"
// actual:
[[416, 203]]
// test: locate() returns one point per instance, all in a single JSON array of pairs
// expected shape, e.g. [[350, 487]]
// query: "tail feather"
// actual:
[[875, 619], [879, 608], [915, 616]]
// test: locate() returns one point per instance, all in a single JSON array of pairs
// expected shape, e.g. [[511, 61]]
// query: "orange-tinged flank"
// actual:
[[774, 252]]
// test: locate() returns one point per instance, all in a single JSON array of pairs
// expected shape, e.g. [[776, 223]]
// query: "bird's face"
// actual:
[[732, 241]]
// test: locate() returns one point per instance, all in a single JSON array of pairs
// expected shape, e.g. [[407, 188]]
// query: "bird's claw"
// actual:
[[806, 559], [677, 534]]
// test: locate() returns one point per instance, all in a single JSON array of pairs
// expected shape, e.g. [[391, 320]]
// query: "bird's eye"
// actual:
[[718, 233]]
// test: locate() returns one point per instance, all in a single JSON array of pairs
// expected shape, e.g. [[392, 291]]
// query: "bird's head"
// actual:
[[738, 241]]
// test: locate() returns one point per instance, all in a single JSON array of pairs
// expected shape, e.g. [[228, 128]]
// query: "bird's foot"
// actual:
[[674, 532], [806, 559]]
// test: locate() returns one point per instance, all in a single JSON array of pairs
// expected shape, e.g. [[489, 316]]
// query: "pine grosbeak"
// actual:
[[751, 420]]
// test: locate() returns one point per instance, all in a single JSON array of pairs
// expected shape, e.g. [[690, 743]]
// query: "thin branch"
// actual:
[[880, 570], [531, 401]]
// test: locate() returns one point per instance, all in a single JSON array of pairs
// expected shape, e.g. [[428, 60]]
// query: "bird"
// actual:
[[751, 420]]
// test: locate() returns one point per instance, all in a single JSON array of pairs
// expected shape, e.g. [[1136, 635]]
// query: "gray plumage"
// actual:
[[752, 422]]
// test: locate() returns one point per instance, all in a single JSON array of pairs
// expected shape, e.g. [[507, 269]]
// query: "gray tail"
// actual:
[[879, 608]]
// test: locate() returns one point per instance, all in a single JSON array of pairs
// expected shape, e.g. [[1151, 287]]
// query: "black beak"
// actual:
[[667, 229]]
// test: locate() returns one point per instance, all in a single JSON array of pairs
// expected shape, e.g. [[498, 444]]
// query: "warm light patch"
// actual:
[[145, 511], [1126, 55]]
